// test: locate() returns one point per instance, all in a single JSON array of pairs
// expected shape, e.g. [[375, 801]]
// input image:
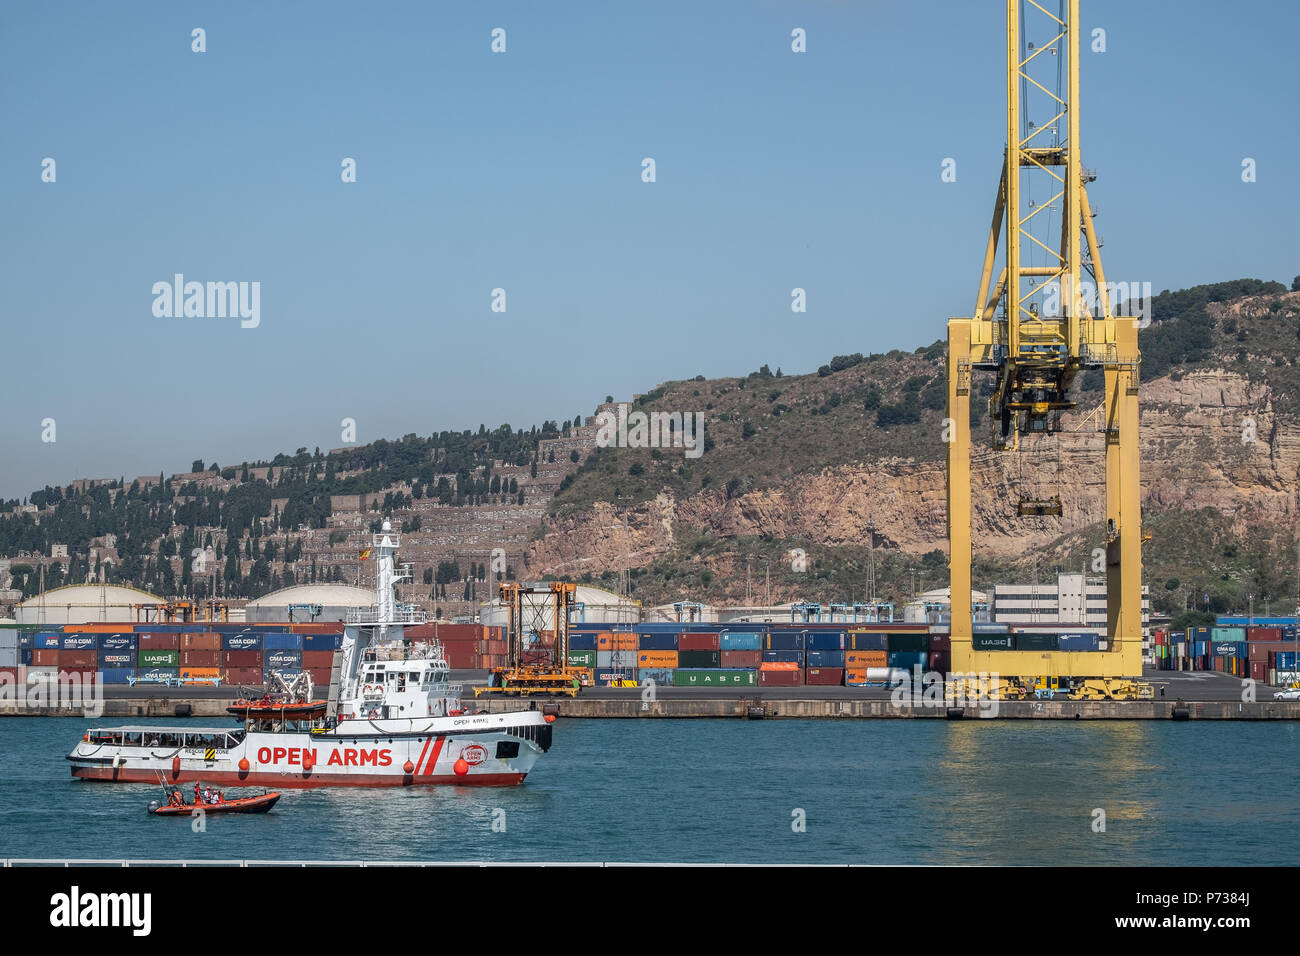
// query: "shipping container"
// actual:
[[203, 658], [1231, 635], [1259, 671], [155, 674], [867, 640], [603, 677], [615, 659], [281, 660], [992, 642], [237, 659], [45, 657], [656, 659], [320, 678], [743, 659], [740, 641], [582, 658], [906, 660], [281, 641], [1263, 634], [789, 657], [940, 642], [1035, 642], [156, 658], [824, 676], [155, 641], [243, 641], [662, 676], [655, 642], [714, 677], [913, 642], [8, 640], [826, 641], [119, 642], [824, 659], [316, 660], [699, 659], [772, 678], [47, 640], [864, 659], [697, 642], [613, 641], [328, 643], [783, 641], [116, 675], [582, 642], [251, 676], [1078, 641], [79, 642], [79, 659], [200, 673], [8, 657], [200, 642]]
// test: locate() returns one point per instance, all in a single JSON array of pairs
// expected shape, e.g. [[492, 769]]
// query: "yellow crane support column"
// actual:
[[957, 435], [1124, 503]]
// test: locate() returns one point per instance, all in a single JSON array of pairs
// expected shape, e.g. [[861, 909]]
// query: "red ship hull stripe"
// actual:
[[298, 781]]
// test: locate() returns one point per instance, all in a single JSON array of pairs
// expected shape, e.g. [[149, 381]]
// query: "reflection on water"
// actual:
[[885, 791]]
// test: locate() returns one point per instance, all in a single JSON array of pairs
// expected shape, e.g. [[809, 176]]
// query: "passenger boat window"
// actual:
[[131, 740], [170, 740]]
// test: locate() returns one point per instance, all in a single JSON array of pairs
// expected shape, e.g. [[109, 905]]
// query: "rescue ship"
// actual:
[[393, 719]]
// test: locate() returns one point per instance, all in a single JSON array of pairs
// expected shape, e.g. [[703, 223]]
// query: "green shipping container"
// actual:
[[991, 642], [160, 658], [1036, 642], [582, 658], [712, 677], [699, 659], [1233, 635], [914, 642]]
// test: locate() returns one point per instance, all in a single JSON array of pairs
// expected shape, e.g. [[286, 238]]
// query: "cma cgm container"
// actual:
[[712, 677], [242, 641], [117, 660], [80, 642], [119, 642], [281, 660], [604, 676]]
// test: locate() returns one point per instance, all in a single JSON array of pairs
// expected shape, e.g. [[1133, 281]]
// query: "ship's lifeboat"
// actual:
[[258, 804], [278, 709]]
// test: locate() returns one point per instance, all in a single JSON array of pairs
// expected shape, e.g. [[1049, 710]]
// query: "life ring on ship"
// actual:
[[373, 715]]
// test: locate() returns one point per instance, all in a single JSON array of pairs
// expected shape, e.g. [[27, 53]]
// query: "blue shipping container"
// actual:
[[582, 642], [25, 656], [783, 641], [826, 658], [663, 676], [1079, 642], [280, 660], [655, 641], [1225, 649], [26, 639], [784, 657], [741, 641], [244, 641], [116, 675], [80, 642], [281, 641], [158, 673], [868, 642], [119, 642], [109, 660], [826, 641], [604, 676], [322, 642], [288, 673], [47, 639], [907, 659]]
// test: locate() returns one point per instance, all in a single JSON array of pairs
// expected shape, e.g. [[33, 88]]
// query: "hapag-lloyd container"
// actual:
[[656, 659]]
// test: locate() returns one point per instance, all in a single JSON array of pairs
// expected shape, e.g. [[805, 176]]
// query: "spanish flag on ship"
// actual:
[[365, 555]]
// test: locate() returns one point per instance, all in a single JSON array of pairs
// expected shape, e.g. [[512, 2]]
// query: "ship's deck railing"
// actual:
[[401, 614]]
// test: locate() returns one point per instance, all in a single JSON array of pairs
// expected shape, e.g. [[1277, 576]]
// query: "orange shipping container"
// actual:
[[200, 673], [616, 642], [200, 642], [778, 666], [656, 659], [98, 628], [864, 659]]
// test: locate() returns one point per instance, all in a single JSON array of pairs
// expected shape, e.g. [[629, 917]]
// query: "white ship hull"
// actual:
[[485, 750]]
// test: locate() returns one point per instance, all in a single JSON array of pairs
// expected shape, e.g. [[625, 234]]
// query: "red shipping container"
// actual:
[[70, 659], [1259, 671], [318, 627], [45, 657], [84, 675], [320, 678], [1264, 634], [314, 659], [242, 675], [940, 642], [749, 659], [200, 642], [697, 642], [792, 678], [242, 659], [200, 658], [160, 642], [824, 676], [941, 661], [1259, 650]]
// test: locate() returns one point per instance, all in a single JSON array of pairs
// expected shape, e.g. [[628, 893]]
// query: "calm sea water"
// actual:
[[884, 791]]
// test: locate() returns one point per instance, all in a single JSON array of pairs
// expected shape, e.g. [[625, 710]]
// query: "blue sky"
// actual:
[[522, 171]]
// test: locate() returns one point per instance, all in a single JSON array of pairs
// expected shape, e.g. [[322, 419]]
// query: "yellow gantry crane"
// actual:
[[1045, 319], [537, 611]]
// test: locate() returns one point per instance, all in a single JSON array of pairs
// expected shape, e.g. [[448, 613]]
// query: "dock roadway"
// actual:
[[1193, 695]]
